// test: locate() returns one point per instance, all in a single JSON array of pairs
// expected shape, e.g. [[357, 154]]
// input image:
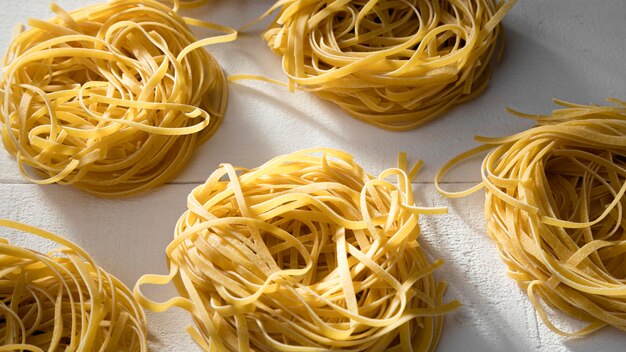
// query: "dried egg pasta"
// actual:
[[392, 63], [112, 98], [555, 207], [307, 252], [63, 301]]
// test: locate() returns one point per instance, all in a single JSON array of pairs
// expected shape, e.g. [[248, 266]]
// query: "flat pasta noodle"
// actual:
[[392, 63], [63, 300], [111, 98], [307, 252], [555, 207], [187, 4]]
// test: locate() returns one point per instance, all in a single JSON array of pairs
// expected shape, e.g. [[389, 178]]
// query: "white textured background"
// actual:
[[571, 50]]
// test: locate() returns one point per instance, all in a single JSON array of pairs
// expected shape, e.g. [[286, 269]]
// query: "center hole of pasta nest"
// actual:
[[389, 26], [136, 65], [580, 192], [313, 242]]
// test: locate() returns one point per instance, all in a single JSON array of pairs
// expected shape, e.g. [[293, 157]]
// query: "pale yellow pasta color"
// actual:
[[186, 4], [392, 63], [555, 208], [307, 252], [111, 98], [62, 300]]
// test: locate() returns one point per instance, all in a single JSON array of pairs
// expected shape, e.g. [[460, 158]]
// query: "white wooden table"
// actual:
[[572, 50]]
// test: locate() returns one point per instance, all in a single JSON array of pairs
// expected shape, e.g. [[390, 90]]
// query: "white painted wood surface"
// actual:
[[572, 50]]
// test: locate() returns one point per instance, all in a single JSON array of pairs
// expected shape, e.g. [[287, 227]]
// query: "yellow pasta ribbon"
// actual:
[[111, 98], [555, 207], [394, 64], [307, 252], [63, 300]]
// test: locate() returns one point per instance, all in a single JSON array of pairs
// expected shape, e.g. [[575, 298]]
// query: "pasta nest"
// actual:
[[555, 207], [112, 98], [63, 300], [306, 252], [394, 64]]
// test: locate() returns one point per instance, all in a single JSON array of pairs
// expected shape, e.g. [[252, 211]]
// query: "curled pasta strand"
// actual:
[[111, 98], [307, 252], [63, 300], [396, 64], [555, 198]]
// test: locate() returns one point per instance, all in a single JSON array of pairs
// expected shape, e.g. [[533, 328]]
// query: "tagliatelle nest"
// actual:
[[111, 98], [63, 301], [555, 206], [307, 252], [395, 64]]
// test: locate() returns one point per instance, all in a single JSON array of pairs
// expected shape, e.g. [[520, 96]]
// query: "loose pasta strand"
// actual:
[[63, 300], [111, 98], [307, 252], [394, 64], [555, 207]]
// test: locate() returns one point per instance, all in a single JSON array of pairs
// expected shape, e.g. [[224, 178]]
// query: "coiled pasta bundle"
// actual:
[[63, 301], [555, 207], [305, 253], [112, 98], [392, 63]]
